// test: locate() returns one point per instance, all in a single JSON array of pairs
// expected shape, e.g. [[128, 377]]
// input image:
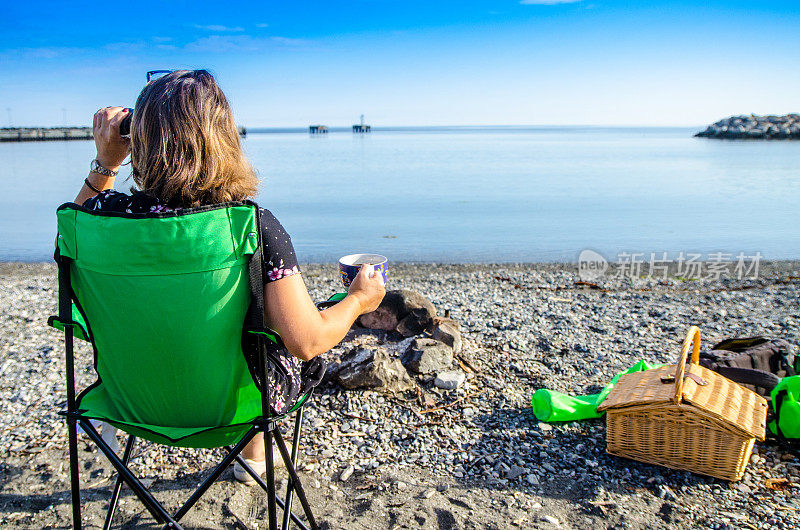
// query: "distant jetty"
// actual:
[[43, 134], [754, 127], [362, 127]]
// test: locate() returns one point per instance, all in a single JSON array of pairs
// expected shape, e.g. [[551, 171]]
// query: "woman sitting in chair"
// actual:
[[185, 152]]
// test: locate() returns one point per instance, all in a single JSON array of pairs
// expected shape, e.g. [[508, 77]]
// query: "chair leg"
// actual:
[[233, 454], [152, 505], [287, 510], [260, 481], [295, 480], [272, 509], [72, 429], [126, 458]]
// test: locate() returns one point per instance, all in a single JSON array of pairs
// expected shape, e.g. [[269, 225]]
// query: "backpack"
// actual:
[[756, 363]]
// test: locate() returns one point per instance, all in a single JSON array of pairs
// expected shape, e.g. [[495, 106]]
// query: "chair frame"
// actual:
[[268, 424]]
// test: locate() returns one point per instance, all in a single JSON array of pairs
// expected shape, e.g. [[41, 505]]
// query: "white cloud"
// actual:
[[262, 25], [219, 27], [548, 2], [242, 43], [45, 52]]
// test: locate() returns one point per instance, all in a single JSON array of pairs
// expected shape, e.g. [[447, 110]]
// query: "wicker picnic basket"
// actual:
[[685, 417]]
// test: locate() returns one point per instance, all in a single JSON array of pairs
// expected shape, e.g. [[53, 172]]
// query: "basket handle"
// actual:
[[692, 340]]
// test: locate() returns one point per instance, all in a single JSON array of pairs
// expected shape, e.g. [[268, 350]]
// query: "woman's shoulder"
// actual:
[[108, 200], [279, 255], [116, 201], [270, 223]]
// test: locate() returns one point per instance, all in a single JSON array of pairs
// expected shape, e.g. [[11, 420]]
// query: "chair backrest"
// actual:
[[165, 296]]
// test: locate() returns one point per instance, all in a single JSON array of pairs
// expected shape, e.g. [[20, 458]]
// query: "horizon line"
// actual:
[[348, 128]]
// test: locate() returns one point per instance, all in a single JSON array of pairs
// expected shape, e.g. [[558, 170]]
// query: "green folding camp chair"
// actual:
[[172, 304]]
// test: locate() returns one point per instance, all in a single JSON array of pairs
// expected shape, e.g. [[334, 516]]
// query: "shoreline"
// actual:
[[483, 461], [768, 262]]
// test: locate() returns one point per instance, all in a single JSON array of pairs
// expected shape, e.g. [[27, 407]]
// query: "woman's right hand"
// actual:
[[111, 147], [368, 288]]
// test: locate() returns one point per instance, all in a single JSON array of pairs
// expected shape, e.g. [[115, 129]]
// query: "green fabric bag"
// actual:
[[551, 406], [786, 407]]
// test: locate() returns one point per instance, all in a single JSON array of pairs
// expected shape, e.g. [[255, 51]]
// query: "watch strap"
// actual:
[[95, 167]]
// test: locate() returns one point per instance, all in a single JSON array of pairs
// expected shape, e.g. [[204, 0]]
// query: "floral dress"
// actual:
[[280, 262]]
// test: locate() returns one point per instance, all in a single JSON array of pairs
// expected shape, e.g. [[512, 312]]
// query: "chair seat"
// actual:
[[96, 404]]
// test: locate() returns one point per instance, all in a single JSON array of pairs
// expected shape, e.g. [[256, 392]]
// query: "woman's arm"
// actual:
[[307, 332]]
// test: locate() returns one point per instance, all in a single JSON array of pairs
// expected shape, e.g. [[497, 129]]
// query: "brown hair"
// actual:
[[185, 148]]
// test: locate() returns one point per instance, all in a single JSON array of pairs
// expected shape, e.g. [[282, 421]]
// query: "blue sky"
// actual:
[[593, 62]]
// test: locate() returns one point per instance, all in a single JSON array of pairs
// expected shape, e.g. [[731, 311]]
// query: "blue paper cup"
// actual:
[[350, 265]]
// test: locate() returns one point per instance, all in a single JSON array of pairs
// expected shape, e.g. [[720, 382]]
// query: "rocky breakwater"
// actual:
[[754, 127], [415, 347]]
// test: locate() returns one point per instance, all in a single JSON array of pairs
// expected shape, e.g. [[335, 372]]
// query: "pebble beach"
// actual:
[[470, 457]]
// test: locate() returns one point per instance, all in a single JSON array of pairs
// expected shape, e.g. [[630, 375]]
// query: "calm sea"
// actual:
[[473, 194]]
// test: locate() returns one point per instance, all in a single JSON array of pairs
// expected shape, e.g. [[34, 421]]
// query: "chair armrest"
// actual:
[[79, 331], [333, 300], [270, 334]]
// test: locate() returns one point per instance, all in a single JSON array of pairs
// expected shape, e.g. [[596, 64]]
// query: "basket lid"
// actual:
[[719, 397]]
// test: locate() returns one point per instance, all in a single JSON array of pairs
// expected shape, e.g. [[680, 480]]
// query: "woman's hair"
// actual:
[[185, 148]]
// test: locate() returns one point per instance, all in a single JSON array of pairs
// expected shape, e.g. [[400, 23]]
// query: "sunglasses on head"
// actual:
[[152, 75]]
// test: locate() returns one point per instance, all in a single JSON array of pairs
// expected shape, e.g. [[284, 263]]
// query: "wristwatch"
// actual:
[[95, 167]]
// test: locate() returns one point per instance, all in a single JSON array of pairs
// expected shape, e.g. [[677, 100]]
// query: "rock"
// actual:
[[755, 127], [414, 323], [382, 318], [347, 473], [395, 312], [744, 488], [425, 356], [515, 471], [666, 512], [550, 519], [450, 380], [373, 368], [446, 330], [666, 493]]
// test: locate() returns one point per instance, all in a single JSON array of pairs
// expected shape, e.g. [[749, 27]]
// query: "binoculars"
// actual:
[[125, 126]]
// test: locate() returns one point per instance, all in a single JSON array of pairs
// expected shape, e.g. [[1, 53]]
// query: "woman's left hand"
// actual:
[[111, 147]]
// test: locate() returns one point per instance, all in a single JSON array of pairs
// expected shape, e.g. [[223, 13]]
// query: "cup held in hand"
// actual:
[[350, 265]]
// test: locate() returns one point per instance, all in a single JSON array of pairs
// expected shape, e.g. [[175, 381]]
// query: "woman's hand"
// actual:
[[111, 147], [368, 288]]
